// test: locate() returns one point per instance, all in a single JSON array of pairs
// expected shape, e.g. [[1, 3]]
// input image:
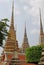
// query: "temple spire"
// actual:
[[12, 17], [11, 43], [41, 28], [25, 41], [25, 34], [41, 31]]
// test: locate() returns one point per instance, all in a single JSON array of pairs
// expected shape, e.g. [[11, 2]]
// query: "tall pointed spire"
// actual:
[[25, 41], [41, 42], [41, 28], [11, 43], [12, 17], [25, 34], [41, 31]]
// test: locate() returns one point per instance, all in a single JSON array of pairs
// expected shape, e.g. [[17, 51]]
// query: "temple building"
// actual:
[[41, 32], [11, 49], [11, 54], [41, 62], [11, 43], [25, 43]]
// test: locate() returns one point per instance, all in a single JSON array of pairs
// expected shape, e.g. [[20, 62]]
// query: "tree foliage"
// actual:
[[33, 54], [3, 30]]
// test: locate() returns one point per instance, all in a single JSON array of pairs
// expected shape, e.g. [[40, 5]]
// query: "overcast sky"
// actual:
[[24, 11]]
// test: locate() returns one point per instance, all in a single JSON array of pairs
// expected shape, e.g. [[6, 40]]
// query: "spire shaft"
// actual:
[[25, 41], [12, 17], [25, 34], [41, 28], [11, 43]]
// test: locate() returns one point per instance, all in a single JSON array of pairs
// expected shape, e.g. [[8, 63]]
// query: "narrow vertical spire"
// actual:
[[25, 34], [25, 41], [11, 43], [41, 28], [12, 17]]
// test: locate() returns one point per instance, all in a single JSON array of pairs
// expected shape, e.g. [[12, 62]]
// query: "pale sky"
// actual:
[[24, 11]]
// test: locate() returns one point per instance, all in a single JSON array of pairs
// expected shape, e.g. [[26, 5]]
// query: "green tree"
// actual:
[[33, 54], [3, 30]]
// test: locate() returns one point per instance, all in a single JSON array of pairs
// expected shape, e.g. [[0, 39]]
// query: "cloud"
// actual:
[[34, 31], [32, 6], [4, 1], [17, 12], [25, 7], [35, 3], [38, 3], [35, 23], [33, 11], [25, 1]]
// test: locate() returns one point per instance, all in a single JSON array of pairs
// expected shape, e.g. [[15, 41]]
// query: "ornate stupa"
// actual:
[[41, 32], [11, 43], [25, 41], [41, 42]]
